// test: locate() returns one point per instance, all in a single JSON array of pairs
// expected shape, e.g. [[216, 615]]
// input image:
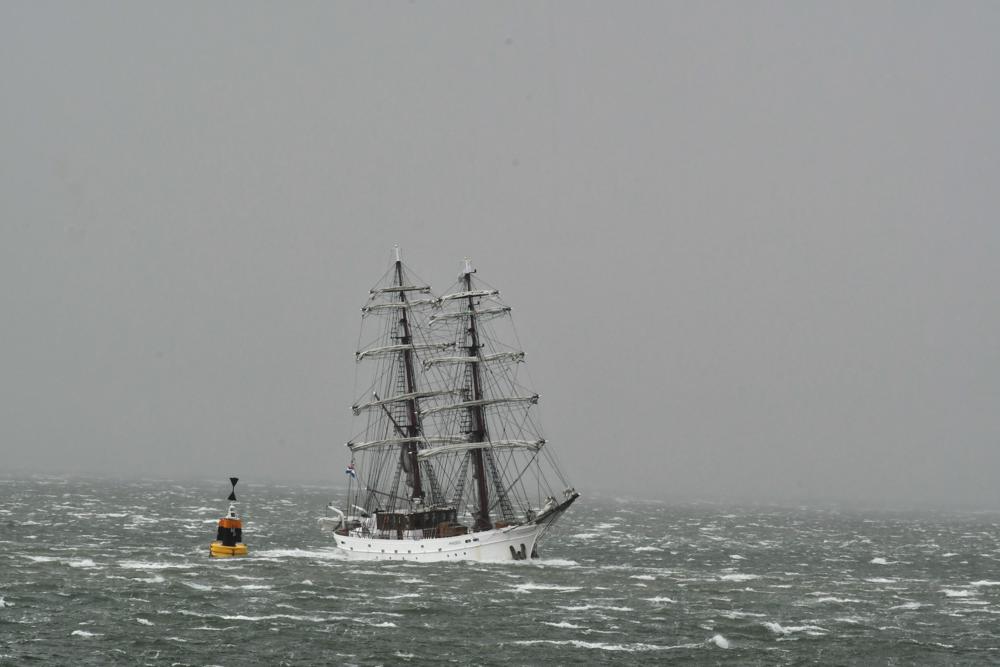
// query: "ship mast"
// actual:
[[476, 415], [409, 449]]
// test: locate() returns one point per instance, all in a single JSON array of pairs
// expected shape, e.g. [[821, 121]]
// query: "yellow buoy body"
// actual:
[[219, 550]]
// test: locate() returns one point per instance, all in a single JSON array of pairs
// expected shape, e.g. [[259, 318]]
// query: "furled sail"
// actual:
[[401, 397], [483, 402], [533, 445], [423, 289], [482, 313], [420, 440], [474, 293], [392, 349], [395, 305], [499, 356]]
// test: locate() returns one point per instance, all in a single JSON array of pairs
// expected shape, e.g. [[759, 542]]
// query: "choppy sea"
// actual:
[[102, 573]]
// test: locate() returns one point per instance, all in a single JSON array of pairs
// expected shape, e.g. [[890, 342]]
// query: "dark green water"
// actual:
[[95, 572]]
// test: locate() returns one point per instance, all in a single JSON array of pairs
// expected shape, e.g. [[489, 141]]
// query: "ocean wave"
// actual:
[[603, 646], [878, 560], [152, 565], [779, 629], [531, 586], [958, 593]]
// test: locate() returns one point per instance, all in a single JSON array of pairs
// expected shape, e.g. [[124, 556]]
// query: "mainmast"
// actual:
[[409, 449], [476, 416]]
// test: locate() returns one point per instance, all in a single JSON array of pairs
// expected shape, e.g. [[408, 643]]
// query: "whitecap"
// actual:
[[984, 582], [562, 624], [81, 562], [779, 629], [739, 577], [4, 603], [586, 536], [648, 549], [327, 554], [196, 586], [553, 562], [626, 648], [530, 586], [152, 565], [736, 557], [84, 633], [643, 577], [958, 593], [907, 605], [878, 560], [143, 621], [880, 580], [384, 624], [720, 641], [659, 599]]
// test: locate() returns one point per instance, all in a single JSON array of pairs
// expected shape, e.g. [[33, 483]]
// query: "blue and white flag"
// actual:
[[351, 472]]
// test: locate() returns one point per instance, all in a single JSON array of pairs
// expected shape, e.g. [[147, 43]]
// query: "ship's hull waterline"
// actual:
[[500, 544]]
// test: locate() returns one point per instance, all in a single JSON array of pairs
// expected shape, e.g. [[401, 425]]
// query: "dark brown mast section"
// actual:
[[476, 417], [413, 427]]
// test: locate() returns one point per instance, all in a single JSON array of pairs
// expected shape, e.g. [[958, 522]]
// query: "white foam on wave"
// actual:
[[643, 577], [720, 641], [143, 621], [779, 629], [739, 577], [585, 536], [155, 579], [320, 554], [907, 606], [958, 593], [984, 582], [384, 624], [531, 586], [85, 563], [648, 549], [736, 557], [196, 586], [84, 633], [660, 599], [549, 562], [836, 600], [562, 624], [256, 587], [398, 597], [4, 603], [271, 617], [880, 580], [152, 565], [586, 607], [878, 560], [603, 646]]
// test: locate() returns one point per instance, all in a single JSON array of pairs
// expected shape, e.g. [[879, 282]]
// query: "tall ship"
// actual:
[[448, 461]]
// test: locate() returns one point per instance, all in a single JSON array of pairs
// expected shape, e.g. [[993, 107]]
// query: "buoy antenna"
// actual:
[[233, 480]]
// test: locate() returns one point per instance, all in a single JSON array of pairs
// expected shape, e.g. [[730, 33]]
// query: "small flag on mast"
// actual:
[[351, 472]]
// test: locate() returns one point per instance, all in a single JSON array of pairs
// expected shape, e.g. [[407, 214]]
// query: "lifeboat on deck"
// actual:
[[229, 537]]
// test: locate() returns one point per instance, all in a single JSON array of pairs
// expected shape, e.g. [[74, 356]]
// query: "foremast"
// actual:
[[413, 427], [477, 418]]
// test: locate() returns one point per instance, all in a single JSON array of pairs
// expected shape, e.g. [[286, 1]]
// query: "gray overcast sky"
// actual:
[[752, 247]]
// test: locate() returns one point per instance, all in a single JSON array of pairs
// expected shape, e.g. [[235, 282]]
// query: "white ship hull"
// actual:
[[500, 544]]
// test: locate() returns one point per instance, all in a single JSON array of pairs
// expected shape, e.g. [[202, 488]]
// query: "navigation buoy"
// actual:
[[229, 539]]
